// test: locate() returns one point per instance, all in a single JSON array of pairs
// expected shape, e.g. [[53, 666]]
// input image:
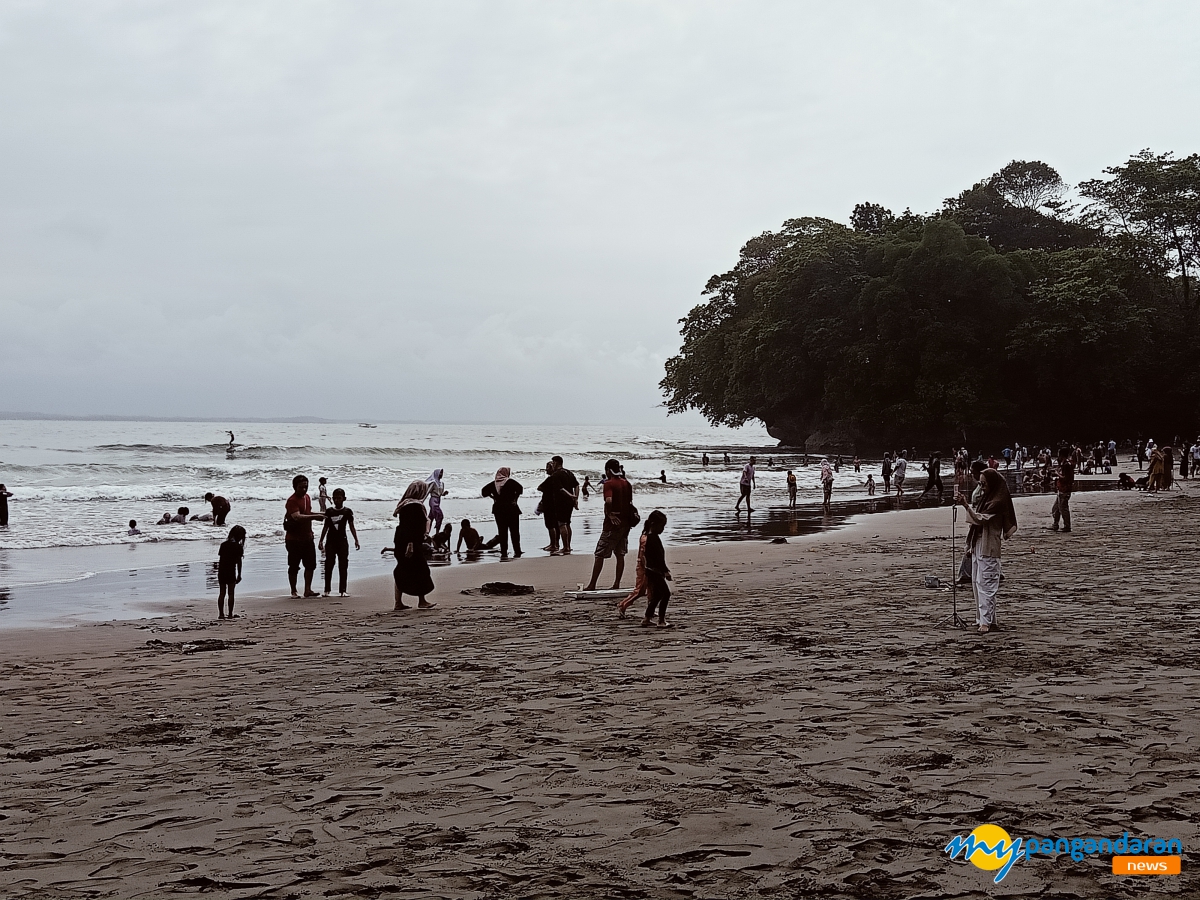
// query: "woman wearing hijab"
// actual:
[[437, 491], [993, 521], [505, 491], [412, 571]]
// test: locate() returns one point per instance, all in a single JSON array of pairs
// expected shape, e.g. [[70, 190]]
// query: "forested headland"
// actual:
[[1017, 311]]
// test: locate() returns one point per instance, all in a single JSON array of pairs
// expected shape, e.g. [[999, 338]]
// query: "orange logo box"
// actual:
[[1146, 865]]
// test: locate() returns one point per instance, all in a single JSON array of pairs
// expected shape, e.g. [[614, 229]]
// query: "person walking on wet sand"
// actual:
[[746, 484], [412, 569], [229, 568], [826, 485], [618, 515], [657, 573], [791, 486], [993, 521], [934, 468], [639, 581], [298, 536], [505, 491]]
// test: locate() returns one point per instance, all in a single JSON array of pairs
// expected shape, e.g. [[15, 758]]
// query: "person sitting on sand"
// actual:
[[229, 567], [993, 521], [220, 507], [473, 539], [657, 573], [133, 529], [181, 516], [439, 543]]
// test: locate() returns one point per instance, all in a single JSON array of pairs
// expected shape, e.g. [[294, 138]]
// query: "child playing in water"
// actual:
[[871, 485], [229, 567], [133, 529], [657, 573], [322, 494]]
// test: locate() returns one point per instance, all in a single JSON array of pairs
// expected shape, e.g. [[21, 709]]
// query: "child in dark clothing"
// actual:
[[229, 567], [657, 573], [334, 542]]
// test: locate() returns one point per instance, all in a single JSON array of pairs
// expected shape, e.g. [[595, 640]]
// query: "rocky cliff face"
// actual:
[[831, 437]]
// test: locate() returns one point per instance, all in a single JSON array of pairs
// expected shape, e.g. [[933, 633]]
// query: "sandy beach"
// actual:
[[807, 729]]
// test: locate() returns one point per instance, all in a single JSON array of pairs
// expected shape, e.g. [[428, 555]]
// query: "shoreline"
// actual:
[[131, 581]]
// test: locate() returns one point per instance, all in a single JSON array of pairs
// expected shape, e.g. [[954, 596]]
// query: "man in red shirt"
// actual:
[[614, 538], [298, 536]]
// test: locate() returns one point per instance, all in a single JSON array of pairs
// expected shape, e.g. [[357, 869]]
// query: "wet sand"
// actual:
[[807, 730]]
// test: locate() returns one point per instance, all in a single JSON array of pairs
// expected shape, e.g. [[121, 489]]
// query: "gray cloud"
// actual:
[[490, 210]]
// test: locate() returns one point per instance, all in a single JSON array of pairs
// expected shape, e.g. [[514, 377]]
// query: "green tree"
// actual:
[[988, 318], [1152, 205]]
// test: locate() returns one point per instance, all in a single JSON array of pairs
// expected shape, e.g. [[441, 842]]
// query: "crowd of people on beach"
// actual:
[[981, 486]]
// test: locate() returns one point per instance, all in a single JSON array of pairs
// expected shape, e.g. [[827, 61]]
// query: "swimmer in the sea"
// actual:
[[165, 520], [180, 517], [133, 529]]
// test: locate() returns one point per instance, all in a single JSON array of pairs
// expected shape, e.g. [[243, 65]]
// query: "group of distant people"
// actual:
[[419, 536]]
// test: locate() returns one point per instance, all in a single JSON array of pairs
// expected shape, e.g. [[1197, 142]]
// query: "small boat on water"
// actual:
[[365, 425]]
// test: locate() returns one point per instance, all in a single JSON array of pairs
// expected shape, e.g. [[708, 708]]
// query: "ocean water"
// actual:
[[66, 555]]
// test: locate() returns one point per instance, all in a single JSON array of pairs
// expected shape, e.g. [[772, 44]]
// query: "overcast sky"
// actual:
[[492, 210]]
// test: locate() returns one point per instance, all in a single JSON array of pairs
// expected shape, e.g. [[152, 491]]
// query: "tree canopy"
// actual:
[[1005, 316]]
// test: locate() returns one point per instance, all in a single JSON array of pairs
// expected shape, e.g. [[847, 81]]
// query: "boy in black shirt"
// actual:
[[229, 567], [333, 541]]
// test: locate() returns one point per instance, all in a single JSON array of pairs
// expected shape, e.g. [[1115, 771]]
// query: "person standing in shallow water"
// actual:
[[746, 485], [4, 495], [437, 490], [993, 521], [826, 485], [412, 570], [505, 491]]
